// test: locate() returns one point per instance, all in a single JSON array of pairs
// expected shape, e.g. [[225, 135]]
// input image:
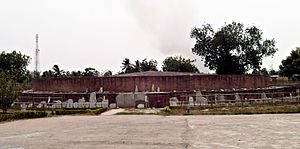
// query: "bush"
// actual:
[[81, 111], [99, 111], [167, 109], [23, 115], [69, 112]]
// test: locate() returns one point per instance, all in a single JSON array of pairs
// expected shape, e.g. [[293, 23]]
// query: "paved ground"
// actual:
[[150, 131]]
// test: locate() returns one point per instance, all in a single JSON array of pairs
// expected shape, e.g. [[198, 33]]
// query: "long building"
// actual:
[[149, 81], [127, 89]]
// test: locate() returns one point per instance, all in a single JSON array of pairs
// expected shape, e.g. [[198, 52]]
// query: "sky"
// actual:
[[75, 34]]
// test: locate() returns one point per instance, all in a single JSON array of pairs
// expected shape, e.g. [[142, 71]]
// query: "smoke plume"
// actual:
[[168, 23]]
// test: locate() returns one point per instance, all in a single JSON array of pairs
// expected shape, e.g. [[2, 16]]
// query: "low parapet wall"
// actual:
[[150, 83]]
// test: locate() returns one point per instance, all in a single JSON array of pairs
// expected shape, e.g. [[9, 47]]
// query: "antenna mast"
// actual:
[[37, 53]]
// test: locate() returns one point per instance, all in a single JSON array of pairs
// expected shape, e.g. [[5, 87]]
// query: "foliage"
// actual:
[[263, 71], [145, 65], [150, 65], [90, 72], [80, 111], [179, 64], [9, 91], [235, 109], [57, 72], [36, 74], [107, 73], [75, 74], [291, 65], [23, 115], [273, 72], [39, 114], [232, 49], [127, 67], [137, 66], [167, 109], [14, 64], [47, 74]]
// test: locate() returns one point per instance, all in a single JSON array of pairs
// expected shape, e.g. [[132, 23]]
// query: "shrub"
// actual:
[[167, 109], [79, 111], [69, 112], [23, 115]]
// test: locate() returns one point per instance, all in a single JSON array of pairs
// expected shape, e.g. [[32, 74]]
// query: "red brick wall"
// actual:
[[144, 83]]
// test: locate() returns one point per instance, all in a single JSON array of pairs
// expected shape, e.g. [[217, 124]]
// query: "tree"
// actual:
[[76, 74], [127, 66], [57, 71], [36, 74], [107, 73], [14, 64], [179, 64], [9, 91], [148, 65], [273, 72], [262, 71], [48, 74], [90, 72], [137, 66], [232, 49], [291, 65]]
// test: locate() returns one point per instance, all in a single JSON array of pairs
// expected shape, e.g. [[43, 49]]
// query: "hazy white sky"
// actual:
[[76, 34]]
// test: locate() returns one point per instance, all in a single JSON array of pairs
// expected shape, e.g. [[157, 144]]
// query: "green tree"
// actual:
[[179, 64], [150, 65], [9, 91], [232, 49], [262, 71], [291, 65], [56, 71], [90, 72], [76, 74], [36, 74], [137, 66], [14, 64], [107, 73], [127, 67], [273, 72], [48, 74]]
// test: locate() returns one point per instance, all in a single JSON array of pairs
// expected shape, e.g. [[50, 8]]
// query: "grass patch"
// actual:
[[16, 115], [234, 110]]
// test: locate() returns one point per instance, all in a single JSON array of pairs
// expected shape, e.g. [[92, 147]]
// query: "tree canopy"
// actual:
[[145, 65], [150, 65], [127, 67], [232, 49], [9, 91], [57, 72], [179, 64], [14, 64], [107, 73], [291, 65]]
